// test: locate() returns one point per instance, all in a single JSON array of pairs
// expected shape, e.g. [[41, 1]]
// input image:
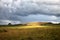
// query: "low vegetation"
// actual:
[[47, 31], [41, 33], [3, 30]]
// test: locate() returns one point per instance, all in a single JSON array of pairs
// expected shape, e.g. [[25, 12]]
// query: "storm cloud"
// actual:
[[29, 10]]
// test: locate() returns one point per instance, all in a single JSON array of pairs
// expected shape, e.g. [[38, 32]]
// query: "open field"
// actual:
[[30, 33]]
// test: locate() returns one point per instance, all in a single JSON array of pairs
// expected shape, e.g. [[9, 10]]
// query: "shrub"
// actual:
[[29, 38], [3, 30]]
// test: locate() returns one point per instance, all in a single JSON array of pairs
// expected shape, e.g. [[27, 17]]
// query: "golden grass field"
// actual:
[[30, 33]]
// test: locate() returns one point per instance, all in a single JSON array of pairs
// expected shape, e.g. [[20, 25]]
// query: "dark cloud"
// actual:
[[20, 10], [25, 7]]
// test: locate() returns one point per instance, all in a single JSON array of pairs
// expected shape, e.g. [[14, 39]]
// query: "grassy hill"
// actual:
[[30, 32]]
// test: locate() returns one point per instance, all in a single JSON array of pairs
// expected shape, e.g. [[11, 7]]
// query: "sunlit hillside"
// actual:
[[35, 23], [32, 25]]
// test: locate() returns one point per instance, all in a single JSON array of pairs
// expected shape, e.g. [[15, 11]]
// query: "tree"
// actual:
[[9, 24], [49, 23]]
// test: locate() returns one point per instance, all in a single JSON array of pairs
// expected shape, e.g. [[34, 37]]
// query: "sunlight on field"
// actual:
[[23, 27], [31, 26]]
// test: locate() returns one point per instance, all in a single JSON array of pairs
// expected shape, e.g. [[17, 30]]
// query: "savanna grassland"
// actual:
[[30, 33]]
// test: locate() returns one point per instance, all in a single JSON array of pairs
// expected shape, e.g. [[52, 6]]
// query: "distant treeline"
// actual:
[[44, 24], [51, 24], [10, 25]]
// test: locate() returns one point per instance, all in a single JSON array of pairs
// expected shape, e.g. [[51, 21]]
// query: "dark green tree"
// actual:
[[9, 24]]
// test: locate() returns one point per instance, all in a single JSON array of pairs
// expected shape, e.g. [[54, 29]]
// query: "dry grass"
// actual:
[[39, 33]]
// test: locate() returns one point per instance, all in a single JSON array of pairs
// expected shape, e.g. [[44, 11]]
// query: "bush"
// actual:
[[29, 38], [3, 30], [9, 24]]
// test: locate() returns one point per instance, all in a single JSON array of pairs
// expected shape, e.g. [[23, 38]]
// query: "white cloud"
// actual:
[[5, 22], [53, 17], [54, 22], [39, 18]]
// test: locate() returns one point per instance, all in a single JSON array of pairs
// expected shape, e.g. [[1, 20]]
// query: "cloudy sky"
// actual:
[[22, 11]]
